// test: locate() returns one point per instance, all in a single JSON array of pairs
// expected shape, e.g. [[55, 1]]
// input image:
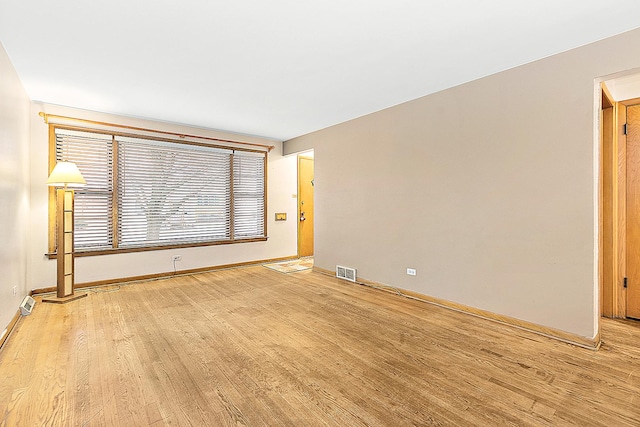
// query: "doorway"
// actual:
[[620, 204], [305, 205]]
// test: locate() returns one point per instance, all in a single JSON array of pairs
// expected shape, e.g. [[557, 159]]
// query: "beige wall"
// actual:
[[282, 235], [487, 189], [14, 189]]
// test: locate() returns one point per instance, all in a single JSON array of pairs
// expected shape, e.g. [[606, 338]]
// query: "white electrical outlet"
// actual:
[[15, 291], [411, 271], [177, 258]]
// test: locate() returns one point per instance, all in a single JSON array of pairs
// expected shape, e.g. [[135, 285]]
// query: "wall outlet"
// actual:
[[411, 271], [15, 291], [176, 258]]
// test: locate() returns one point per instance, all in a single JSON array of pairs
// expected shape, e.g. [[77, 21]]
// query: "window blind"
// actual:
[[172, 193], [248, 195], [157, 193], [93, 154]]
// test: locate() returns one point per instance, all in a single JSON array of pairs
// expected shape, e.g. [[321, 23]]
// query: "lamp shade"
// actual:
[[66, 174]]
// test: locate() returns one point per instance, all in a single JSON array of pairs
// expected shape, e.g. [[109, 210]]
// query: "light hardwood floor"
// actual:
[[255, 347]]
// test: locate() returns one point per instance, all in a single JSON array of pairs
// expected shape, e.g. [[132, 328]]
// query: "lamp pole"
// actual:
[[63, 176]]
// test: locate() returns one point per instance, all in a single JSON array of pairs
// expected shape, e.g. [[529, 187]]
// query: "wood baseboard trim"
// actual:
[[566, 337], [9, 329], [165, 275]]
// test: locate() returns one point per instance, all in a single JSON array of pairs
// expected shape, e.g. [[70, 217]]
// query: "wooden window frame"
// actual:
[[52, 250]]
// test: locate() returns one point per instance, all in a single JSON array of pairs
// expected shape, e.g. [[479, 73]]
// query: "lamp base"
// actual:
[[63, 300]]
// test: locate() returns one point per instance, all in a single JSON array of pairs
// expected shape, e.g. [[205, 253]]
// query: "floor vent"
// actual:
[[346, 273]]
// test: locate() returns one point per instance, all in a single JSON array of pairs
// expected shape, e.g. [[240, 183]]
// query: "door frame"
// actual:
[[613, 213]]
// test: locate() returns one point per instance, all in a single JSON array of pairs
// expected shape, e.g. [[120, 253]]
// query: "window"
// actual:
[[146, 193]]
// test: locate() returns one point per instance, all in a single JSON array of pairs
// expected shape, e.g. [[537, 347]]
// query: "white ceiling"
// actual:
[[282, 68]]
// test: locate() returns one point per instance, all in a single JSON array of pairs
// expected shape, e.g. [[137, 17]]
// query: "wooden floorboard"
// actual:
[[254, 347]]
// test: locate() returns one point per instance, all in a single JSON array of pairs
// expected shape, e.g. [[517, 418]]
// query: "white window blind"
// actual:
[[172, 193], [248, 195], [166, 193], [93, 153]]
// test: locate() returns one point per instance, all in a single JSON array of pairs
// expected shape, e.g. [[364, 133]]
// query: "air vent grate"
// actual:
[[346, 273]]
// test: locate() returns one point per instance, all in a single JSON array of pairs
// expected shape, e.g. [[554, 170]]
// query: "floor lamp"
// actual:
[[64, 176]]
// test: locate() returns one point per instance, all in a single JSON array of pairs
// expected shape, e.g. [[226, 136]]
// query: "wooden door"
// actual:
[[633, 212], [305, 206]]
